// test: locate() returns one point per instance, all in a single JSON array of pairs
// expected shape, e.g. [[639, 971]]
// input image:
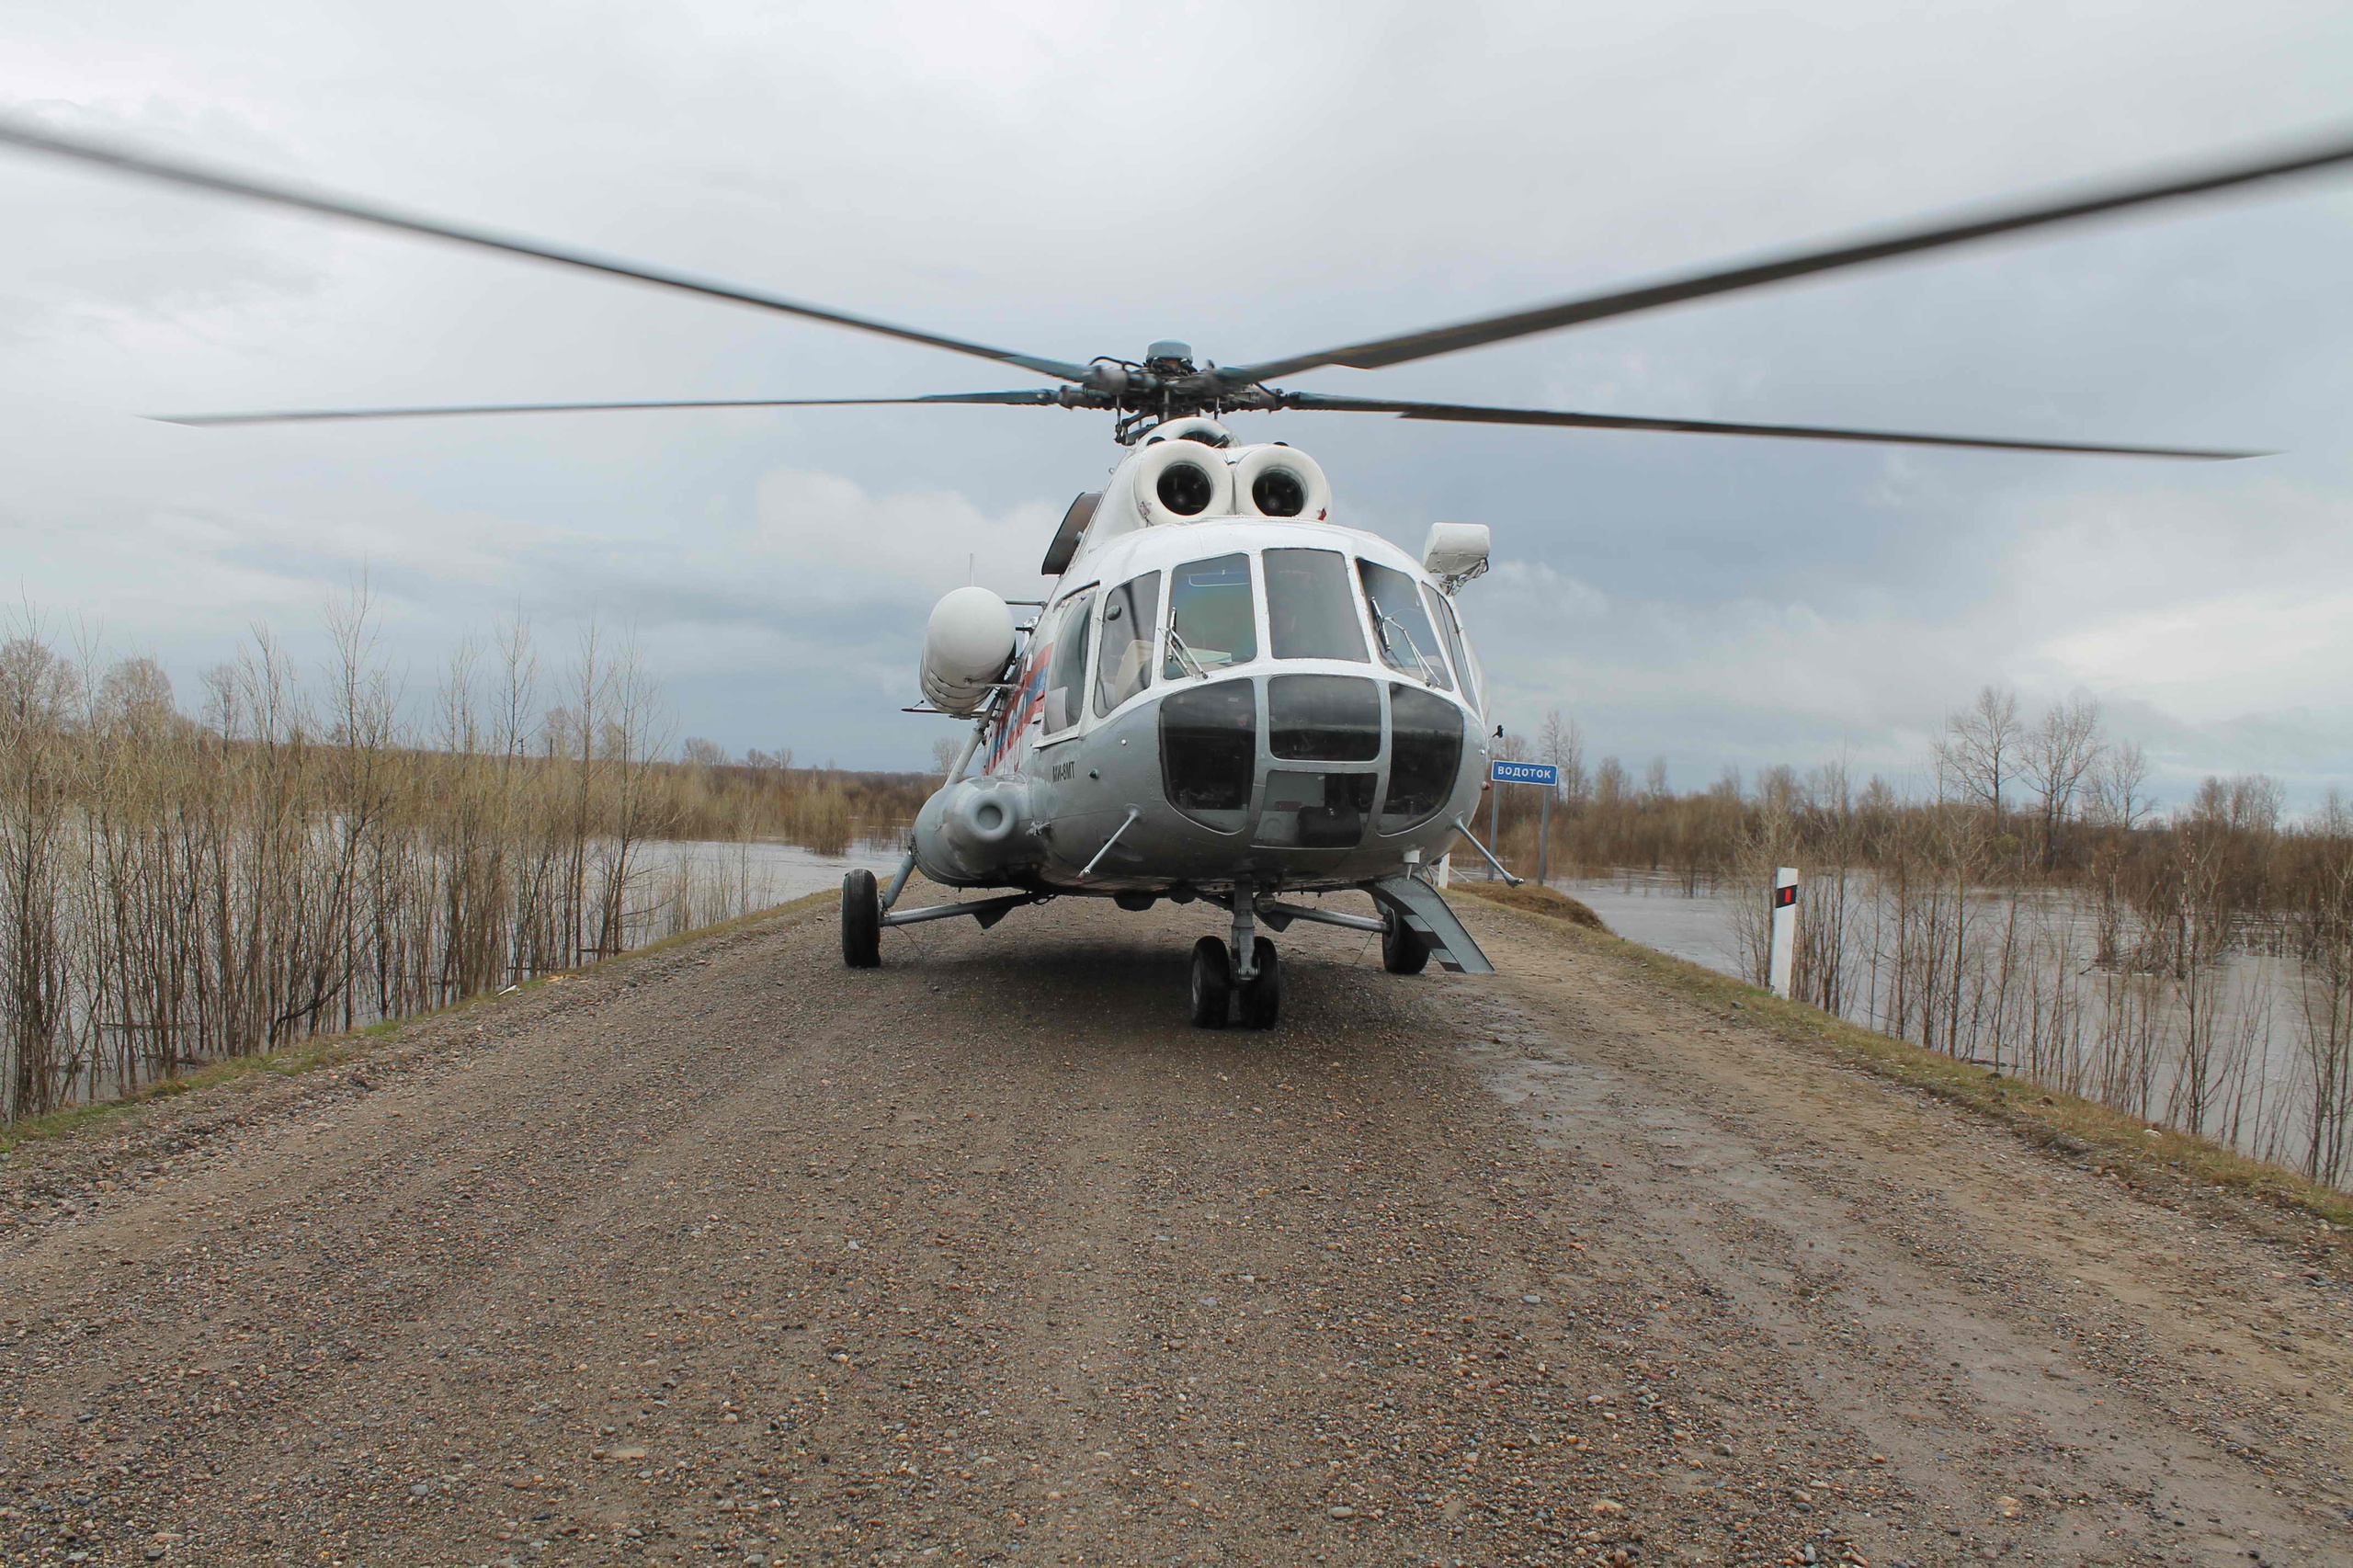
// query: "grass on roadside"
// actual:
[[328, 1050], [2147, 1156]]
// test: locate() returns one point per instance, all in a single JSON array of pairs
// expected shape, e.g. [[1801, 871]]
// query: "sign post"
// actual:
[[1782, 944], [1502, 772]]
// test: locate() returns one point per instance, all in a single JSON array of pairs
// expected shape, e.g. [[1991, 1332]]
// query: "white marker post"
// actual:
[[1781, 947]]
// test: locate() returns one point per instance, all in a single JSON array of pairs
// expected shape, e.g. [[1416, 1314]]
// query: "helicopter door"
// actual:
[[1065, 697]]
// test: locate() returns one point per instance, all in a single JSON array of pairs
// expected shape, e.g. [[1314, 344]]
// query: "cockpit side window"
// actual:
[[1131, 614], [1307, 612], [1212, 618], [1400, 627], [1456, 644], [1066, 673]]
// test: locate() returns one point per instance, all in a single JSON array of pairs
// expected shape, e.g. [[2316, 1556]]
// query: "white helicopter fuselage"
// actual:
[[1218, 700]]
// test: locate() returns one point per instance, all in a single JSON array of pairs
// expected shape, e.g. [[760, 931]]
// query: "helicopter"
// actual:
[[1226, 695]]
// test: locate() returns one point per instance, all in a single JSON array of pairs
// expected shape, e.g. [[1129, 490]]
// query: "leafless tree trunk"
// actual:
[[1977, 756], [2055, 758]]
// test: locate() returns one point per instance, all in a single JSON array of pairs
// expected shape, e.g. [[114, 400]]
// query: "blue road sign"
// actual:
[[1523, 773]]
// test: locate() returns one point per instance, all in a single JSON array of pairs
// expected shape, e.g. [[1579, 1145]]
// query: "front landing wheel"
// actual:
[[1212, 985], [861, 921], [1402, 951], [1261, 995]]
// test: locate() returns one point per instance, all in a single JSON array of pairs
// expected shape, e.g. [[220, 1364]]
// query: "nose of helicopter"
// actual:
[[1261, 765]]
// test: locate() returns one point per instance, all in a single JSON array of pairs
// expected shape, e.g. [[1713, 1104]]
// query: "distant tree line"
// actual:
[[298, 855]]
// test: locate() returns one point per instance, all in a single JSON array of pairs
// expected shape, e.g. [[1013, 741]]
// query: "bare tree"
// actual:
[[1562, 743], [2117, 781], [2055, 758], [697, 752], [1610, 785], [944, 752], [1977, 756]]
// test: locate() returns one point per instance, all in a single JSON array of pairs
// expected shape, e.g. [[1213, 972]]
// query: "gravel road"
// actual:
[[726, 1255]]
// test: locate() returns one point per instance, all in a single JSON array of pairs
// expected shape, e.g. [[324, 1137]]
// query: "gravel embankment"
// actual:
[[726, 1255]]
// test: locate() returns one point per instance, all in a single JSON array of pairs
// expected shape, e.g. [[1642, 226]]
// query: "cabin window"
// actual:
[[1208, 751], [1400, 627], [1325, 718], [1067, 664], [1425, 754], [1309, 615], [1457, 646], [1212, 619], [1130, 613]]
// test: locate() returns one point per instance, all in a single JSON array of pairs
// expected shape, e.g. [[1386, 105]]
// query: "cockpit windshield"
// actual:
[[1309, 615], [1402, 627], [1212, 619], [1456, 647]]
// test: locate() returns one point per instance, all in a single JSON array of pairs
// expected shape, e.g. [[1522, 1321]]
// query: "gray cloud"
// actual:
[[1073, 180]]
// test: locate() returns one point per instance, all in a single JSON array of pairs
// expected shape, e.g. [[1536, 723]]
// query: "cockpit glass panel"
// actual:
[[1325, 718], [1066, 671], [1131, 611], [1212, 619], [1208, 751], [1425, 754], [1400, 627], [1443, 613], [1309, 615]]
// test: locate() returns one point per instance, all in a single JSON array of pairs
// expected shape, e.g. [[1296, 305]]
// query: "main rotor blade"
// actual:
[[1752, 275], [1471, 414], [1046, 395], [174, 170]]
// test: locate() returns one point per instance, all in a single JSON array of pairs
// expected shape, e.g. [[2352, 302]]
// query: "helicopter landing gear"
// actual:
[[1403, 952], [1243, 981], [1212, 985], [1218, 998], [1259, 999], [861, 921]]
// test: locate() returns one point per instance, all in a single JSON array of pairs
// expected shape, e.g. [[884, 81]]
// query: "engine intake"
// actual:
[[1281, 482], [1177, 481]]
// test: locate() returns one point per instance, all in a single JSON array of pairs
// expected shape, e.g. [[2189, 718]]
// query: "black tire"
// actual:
[[1212, 985], [1261, 995], [861, 921], [1403, 952]]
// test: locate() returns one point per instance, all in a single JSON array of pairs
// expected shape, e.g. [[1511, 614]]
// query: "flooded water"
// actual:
[[1655, 911], [760, 874], [2225, 1050]]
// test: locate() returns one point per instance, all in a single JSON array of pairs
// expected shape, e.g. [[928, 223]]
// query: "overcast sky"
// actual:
[[1079, 179]]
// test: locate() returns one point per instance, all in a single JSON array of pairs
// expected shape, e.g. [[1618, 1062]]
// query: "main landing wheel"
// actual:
[[1261, 995], [1212, 985], [1403, 952], [861, 921]]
